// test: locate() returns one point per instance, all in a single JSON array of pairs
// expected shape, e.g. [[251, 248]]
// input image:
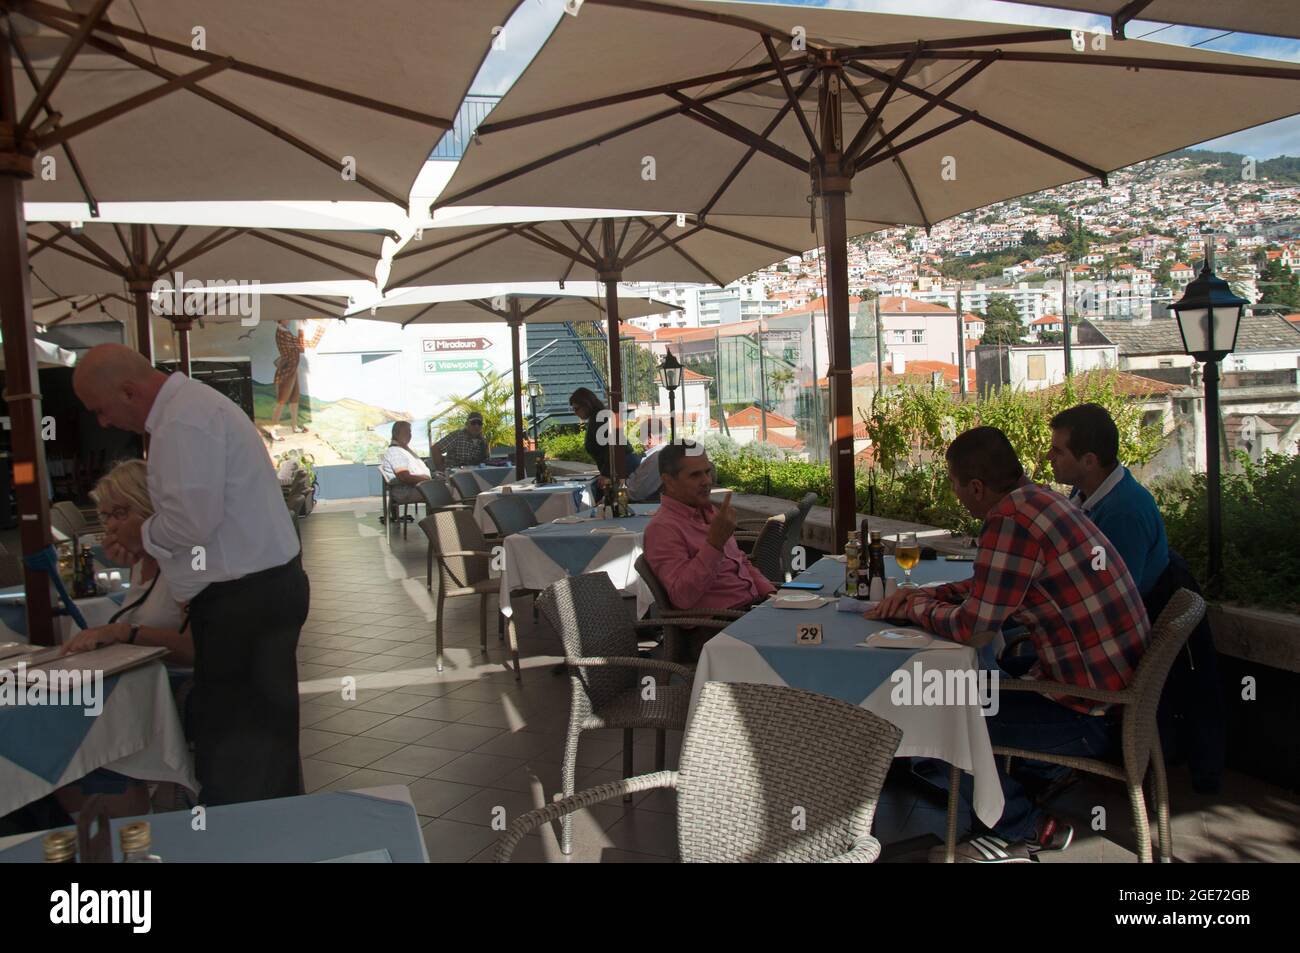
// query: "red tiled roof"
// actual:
[[1047, 319], [817, 304], [690, 375], [673, 335], [782, 441], [751, 416], [1129, 385], [891, 304]]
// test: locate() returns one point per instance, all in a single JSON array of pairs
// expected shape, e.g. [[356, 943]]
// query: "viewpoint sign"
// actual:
[[456, 366], [455, 345]]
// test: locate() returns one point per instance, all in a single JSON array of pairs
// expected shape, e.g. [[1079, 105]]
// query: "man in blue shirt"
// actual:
[[1084, 454]]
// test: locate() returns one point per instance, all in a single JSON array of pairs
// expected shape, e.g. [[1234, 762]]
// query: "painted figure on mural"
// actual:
[[290, 347]]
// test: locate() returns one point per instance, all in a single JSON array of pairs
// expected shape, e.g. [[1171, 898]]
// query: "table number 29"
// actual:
[[808, 634]]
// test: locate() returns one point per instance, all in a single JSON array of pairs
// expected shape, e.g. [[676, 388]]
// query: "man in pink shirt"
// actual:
[[689, 542]]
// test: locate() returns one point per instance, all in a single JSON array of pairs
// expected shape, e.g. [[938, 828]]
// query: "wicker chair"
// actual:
[[770, 544], [1140, 738], [465, 485], [69, 519], [600, 649], [675, 640], [437, 497], [747, 534], [755, 759], [388, 506], [510, 514], [464, 563]]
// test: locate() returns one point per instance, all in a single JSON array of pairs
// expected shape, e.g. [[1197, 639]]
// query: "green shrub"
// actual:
[[565, 445], [1261, 509]]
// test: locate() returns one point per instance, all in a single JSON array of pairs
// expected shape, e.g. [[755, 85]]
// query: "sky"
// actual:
[[533, 21]]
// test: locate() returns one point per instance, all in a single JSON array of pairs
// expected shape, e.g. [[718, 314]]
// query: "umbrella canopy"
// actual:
[[962, 114], [538, 302], [297, 99], [100, 257], [90, 309], [1270, 17], [760, 109], [649, 246]]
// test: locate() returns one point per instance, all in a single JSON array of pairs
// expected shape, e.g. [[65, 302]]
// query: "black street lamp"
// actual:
[[534, 395], [1209, 316], [670, 375]]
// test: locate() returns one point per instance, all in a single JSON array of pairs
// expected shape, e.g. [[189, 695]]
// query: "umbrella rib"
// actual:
[[704, 271], [535, 235], [247, 116], [424, 248], [62, 133], [650, 234], [502, 233], [933, 101], [958, 42], [988, 123], [70, 51], [874, 113], [205, 245], [53, 113], [894, 151], [874, 119], [165, 249], [792, 98], [93, 262], [788, 252], [111, 263], [1128, 62], [318, 302], [288, 246], [484, 307], [588, 143], [35, 9], [419, 314], [667, 243], [584, 241], [749, 154], [618, 246], [322, 240], [735, 130], [1121, 17]]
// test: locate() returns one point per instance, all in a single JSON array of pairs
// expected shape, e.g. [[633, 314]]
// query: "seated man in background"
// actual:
[[689, 542], [466, 447], [1085, 454], [402, 470], [1045, 565], [645, 484]]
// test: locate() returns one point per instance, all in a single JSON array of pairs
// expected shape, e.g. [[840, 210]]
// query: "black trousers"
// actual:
[[245, 701]]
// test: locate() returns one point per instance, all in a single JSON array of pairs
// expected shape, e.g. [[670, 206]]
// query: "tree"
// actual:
[[1279, 285], [1002, 322], [494, 402]]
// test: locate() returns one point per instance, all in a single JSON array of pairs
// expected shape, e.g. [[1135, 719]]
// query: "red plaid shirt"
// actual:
[[1035, 567]]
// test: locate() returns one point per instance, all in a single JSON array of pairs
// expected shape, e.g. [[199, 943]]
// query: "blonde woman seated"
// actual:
[[149, 616]]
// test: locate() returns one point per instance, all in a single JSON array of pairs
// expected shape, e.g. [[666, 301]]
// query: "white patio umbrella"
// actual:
[[187, 99], [49, 355], [758, 109], [515, 304], [1269, 17]]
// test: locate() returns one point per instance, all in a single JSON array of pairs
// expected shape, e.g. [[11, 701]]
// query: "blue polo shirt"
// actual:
[[1126, 512]]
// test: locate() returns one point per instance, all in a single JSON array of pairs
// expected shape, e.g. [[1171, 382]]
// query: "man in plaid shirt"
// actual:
[[1044, 565]]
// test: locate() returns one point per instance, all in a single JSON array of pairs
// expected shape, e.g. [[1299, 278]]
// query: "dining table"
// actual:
[[548, 501], [770, 645], [486, 477]]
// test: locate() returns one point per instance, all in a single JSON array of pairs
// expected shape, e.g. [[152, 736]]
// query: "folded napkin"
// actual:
[[848, 604]]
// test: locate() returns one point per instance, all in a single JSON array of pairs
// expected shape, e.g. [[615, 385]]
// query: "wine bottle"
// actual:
[[852, 555], [136, 840]]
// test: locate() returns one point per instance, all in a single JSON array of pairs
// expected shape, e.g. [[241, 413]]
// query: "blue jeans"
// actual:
[[1027, 720]]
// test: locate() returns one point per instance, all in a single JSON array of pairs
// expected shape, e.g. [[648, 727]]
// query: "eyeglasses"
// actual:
[[116, 513]]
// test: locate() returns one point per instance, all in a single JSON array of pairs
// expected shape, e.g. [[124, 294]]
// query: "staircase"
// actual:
[[564, 368]]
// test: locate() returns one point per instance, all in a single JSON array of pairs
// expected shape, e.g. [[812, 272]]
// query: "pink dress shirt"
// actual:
[[694, 573]]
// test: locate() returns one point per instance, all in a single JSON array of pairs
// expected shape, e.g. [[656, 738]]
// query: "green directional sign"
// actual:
[[456, 365]]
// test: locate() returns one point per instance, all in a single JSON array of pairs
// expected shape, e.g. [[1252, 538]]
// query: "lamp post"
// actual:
[[1209, 316], [670, 376], [534, 395]]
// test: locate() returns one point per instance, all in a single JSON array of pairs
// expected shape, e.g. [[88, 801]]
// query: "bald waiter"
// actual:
[[225, 543]]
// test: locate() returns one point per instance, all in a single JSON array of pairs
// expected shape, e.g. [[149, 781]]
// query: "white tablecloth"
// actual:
[[137, 734], [542, 555], [97, 611], [548, 502], [487, 477], [956, 734]]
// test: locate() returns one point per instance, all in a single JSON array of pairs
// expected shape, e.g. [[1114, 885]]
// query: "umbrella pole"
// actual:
[[611, 276], [140, 286], [183, 336], [21, 382], [831, 184], [515, 321]]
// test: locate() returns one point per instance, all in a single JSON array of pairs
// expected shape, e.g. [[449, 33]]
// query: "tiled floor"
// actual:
[[475, 746]]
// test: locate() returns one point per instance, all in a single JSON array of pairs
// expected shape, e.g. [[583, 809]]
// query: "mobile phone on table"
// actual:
[[806, 586]]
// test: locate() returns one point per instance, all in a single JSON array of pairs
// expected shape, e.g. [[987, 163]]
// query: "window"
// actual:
[[918, 336], [900, 337], [1037, 367], [1167, 363]]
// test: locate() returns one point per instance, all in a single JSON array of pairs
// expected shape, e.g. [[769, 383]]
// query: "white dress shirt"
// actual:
[[399, 458], [645, 481], [213, 486]]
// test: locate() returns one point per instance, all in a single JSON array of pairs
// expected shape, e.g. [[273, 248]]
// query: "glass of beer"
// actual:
[[907, 553]]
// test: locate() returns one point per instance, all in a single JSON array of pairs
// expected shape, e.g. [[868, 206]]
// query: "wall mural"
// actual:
[[335, 388]]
